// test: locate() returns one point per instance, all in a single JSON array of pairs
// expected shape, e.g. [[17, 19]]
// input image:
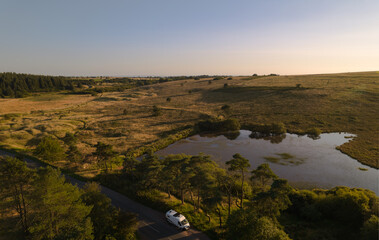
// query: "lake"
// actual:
[[303, 161]]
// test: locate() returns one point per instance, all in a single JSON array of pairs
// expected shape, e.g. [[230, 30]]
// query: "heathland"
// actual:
[[96, 127], [126, 119]]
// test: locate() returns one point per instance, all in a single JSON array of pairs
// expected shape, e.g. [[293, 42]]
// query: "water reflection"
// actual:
[[303, 161], [268, 137]]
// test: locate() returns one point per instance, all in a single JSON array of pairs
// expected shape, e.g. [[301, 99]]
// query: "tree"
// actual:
[[104, 153], [101, 212], [246, 225], [227, 184], [59, 211], [50, 149], [272, 202], [16, 178], [239, 164], [202, 178], [149, 171], [263, 175], [129, 166], [108, 221]]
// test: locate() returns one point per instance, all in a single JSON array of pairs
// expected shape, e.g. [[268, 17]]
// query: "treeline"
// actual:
[[20, 85], [245, 204], [42, 205]]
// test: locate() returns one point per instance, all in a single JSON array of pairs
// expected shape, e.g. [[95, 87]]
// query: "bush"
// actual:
[[157, 111], [231, 124], [226, 85], [314, 132], [49, 149], [168, 99]]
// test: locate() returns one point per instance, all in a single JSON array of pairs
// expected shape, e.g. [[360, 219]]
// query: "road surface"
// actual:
[[151, 225]]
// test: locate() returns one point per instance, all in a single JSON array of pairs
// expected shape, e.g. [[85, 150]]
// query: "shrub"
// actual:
[[226, 85], [50, 149], [314, 132], [168, 99], [157, 111]]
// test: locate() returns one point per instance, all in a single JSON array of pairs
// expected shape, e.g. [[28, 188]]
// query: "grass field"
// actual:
[[346, 102]]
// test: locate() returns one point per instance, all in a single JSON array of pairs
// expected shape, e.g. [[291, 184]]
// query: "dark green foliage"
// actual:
[[246, 225], [157, 111], [231, 124], [261, 176], [59, 212], [226, 85], [107, 220], [240, 165], [168, 99], [230, 78], [352, 210], [104, 154], [15, 179], [370, 229], [49, 149], [298, 85], [263, 130], [20, 85]]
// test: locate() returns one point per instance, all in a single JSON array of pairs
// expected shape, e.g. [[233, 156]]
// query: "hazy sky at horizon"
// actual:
[[178, 37]]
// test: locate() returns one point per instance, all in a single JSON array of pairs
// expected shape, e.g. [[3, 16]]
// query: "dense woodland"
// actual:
[[15, 85], [42, 205], [20, 85]]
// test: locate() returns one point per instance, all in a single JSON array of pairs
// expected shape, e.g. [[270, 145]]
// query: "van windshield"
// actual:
[[184, 222]]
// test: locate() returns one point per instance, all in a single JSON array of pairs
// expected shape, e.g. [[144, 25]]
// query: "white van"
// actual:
[[177, 219]]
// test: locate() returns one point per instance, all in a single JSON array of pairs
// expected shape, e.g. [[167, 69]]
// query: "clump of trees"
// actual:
[[48, 207], [213, 125], [245, 203], [265, 130]]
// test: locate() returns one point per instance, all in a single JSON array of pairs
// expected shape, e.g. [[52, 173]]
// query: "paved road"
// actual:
[[152, 224]]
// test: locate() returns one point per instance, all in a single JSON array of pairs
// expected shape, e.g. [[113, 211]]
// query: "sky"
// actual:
[[188, 37]]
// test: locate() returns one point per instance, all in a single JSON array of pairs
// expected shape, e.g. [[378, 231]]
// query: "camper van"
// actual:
[[177, 219]]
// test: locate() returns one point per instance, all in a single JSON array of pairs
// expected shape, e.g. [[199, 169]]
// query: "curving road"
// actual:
[[151, 225]]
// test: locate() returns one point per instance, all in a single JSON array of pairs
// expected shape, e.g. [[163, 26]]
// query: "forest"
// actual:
[[41, 204]]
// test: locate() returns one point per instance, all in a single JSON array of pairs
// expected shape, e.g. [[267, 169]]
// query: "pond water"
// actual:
[[303, 161]]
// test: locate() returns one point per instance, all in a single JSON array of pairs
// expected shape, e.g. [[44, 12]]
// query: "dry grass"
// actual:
[[336, 102]]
